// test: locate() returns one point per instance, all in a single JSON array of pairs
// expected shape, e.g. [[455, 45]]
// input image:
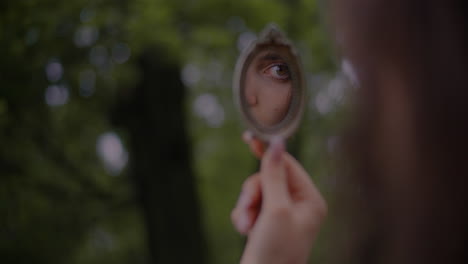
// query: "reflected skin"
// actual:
[[268, 86]]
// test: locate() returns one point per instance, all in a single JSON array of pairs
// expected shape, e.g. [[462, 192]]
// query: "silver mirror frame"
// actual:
[[271, 35]]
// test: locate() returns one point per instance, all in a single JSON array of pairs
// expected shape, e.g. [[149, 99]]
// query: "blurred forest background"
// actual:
[[120, 142]]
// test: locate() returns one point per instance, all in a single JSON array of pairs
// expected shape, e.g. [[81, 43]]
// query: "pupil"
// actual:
[[281, 70]]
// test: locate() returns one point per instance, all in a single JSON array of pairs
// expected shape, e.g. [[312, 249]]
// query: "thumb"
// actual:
[[273, 176]]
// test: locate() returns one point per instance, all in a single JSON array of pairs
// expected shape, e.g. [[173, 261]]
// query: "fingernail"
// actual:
[[247, 136], [277, 149], [243, 200]]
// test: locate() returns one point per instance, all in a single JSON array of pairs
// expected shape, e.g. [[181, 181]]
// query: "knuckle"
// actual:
[[282, 213]]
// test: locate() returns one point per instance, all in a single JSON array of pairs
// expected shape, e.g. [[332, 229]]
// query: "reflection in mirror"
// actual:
[[269, 85]]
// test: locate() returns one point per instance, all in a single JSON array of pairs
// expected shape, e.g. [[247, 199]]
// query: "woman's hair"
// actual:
[[408, 146]]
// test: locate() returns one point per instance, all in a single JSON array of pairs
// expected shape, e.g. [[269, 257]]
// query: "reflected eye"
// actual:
[[279, 71]]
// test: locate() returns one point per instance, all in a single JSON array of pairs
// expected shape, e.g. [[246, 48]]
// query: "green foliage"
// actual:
[[57, 201]]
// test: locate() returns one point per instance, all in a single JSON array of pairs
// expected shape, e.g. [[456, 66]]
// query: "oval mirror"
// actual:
[[269, 86]]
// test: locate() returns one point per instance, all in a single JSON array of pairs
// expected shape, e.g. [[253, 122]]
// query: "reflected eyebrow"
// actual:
[[271, 57]]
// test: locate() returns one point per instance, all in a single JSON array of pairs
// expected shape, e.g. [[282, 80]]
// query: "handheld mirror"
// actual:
[[269, 86]]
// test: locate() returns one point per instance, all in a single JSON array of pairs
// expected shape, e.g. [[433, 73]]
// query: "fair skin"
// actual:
[[280, 210], [268, 86]]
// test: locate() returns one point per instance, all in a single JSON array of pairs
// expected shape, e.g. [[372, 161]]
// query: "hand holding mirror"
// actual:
[[269, 86]]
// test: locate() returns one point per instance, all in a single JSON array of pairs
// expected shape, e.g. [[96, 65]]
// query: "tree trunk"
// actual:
[[161, 163]]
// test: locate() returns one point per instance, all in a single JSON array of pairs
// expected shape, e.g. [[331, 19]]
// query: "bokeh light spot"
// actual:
[[86, 36], [349, 71], [121, 52], [207, 107], [112, 153], [54, 71], [191, 75], [245, 39], [56, 95]]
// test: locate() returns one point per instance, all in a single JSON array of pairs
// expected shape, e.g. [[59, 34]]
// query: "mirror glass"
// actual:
[[269, 85]]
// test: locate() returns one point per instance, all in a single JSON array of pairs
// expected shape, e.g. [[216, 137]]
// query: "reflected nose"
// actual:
[[251, 95]]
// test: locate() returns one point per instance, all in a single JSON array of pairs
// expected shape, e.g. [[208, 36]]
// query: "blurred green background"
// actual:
[[120, 142]]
